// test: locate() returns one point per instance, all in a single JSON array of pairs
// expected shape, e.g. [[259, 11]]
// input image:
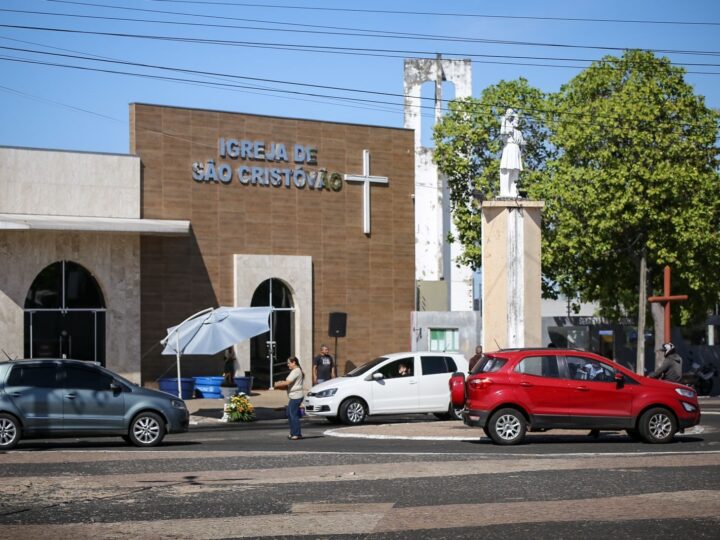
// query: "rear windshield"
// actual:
[[488, 364]]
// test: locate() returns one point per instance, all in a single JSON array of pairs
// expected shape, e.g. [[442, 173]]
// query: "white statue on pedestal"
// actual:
[[511, 160]]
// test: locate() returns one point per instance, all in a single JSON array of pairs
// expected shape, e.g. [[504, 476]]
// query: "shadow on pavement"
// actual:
[[581, 438], [261, 413]]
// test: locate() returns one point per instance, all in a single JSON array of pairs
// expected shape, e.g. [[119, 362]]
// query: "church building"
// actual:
[[103, 253]]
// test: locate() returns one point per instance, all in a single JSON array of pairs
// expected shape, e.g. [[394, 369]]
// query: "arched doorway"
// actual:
[[270, 351], [65, 314]]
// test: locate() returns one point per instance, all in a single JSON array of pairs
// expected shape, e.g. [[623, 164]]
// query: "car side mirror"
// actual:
[[619, 379], [377, 376], [115, 387]]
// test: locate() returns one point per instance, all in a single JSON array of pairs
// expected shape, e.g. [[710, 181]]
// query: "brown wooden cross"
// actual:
[[665, 299]]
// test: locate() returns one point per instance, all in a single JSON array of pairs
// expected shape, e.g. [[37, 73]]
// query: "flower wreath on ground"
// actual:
[[238, 409]]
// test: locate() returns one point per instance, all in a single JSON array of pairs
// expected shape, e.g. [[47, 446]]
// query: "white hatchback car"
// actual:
[[412, 382]]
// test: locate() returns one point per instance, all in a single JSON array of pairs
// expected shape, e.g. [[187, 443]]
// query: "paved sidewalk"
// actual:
[[270, 405]]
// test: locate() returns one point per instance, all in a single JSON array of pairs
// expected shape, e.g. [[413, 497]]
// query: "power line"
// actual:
[[226, 17], [327, 30], [80, 109], [150, 130], [443, 14], [201, 83], [531, 113], [390, 53]]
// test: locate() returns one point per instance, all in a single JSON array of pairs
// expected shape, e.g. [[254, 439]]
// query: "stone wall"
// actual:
[[38, 182], [61, 183], [114, 261]]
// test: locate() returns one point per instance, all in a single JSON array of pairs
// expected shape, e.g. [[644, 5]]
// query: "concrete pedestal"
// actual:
[[511, 286]]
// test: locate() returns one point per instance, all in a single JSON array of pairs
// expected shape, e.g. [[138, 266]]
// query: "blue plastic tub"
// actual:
[[187, 386], [208, 387], [244, 384]]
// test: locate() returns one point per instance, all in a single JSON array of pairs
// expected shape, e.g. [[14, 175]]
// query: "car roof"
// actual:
[[548, 350], [54, 361], [433, 353]]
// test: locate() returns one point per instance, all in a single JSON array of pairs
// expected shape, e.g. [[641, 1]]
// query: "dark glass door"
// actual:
[[273, 347], [71, 334], [65, 314]]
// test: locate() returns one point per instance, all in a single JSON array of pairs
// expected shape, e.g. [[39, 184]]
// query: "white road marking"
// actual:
[[338, 433]]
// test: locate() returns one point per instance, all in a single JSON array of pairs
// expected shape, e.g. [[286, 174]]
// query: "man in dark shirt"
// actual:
[[476, 358], [323, 366]]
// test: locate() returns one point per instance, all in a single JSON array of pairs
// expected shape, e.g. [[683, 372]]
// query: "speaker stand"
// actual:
[[336, 357]]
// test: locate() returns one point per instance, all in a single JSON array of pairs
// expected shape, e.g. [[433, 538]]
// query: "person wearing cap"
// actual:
[[671, 367], [323, 366]]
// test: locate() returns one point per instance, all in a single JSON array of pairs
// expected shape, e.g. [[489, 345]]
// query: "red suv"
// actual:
[[513, 390]]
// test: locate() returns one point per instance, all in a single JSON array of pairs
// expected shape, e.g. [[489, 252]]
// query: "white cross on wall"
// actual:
[[366, 179]]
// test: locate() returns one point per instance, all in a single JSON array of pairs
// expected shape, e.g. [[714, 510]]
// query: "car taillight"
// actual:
[[457, 389], [479, 384]]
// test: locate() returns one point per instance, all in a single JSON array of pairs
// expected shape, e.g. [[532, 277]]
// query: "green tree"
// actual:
[[468, 149], [634, 185]]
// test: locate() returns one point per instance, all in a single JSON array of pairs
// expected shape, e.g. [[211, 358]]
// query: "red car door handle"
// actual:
[[583, 388], [525, 384]]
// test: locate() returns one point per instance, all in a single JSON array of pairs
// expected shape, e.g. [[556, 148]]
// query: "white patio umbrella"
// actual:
[[214, 329]]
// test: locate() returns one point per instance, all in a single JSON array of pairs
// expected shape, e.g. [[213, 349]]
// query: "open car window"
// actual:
[[587, 369], [365, 367]]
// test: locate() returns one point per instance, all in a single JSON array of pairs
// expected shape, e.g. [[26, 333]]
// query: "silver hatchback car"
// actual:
[[69, 398]]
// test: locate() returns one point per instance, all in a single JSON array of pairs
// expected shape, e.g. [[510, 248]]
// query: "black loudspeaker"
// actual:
[[337, 324]]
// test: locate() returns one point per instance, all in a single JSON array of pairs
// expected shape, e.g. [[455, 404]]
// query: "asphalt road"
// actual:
[[249, 480]]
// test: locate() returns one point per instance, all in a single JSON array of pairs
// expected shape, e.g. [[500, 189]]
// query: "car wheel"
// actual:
[[507, 426], [634, 434], [352, 412], [455, 413], [657, 426], [9, 431], [147, 429]]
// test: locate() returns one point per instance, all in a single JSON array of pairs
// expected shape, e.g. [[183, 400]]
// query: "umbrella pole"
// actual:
[[177, 348]]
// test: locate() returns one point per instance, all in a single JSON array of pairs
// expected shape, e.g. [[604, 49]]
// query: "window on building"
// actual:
[[444, 339]]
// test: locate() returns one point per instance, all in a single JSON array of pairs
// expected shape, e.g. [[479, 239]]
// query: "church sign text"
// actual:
[[279, 165]]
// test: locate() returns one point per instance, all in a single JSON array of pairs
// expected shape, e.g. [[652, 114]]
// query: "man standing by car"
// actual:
[[323, 366], [671, 367], [476, 358]]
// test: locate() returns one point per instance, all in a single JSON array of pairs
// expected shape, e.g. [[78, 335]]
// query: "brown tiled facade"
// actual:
[[370, 277]]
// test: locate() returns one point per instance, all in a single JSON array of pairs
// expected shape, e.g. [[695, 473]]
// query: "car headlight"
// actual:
[[326, 393], [685, 392], [178, 404]]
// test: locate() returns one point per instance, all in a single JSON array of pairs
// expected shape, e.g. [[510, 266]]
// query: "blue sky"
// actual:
[[46, 106]]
